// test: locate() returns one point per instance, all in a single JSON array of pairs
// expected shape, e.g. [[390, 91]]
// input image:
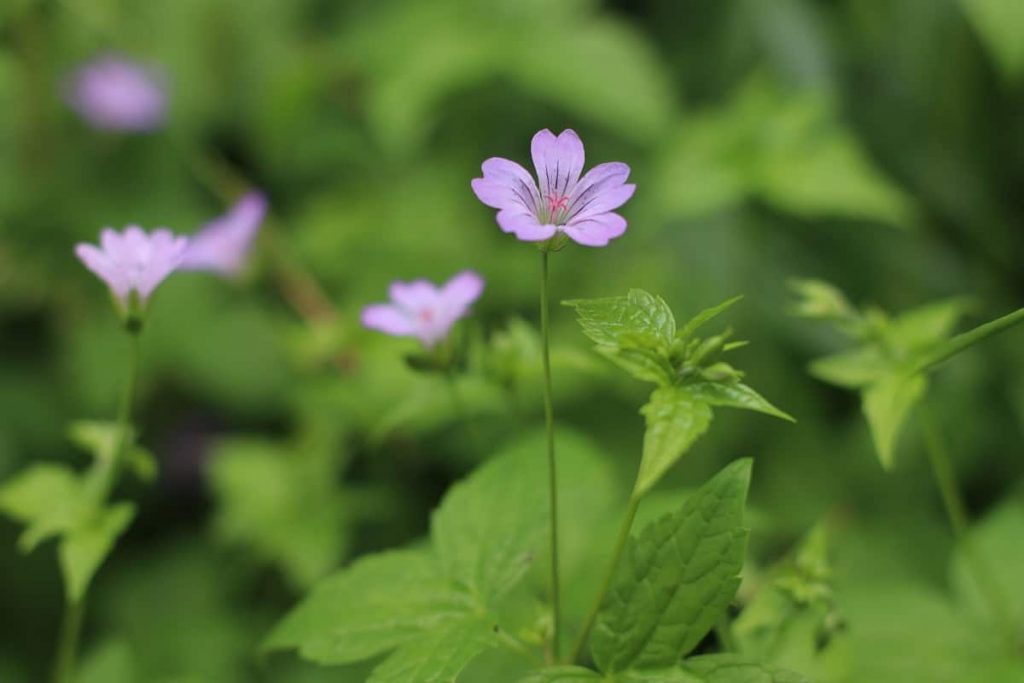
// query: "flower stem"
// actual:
[[956, 512], [549, 420], [620, 545], [67, 646]]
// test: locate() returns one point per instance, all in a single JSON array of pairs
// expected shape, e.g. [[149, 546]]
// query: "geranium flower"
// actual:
[[422, 310], [221, 245], [115, 94], [133, 260], [582, 208]]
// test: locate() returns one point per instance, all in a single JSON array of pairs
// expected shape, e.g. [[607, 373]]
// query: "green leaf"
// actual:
[[48, 499], [643, 364], [998, 24], [961, 342], [675, 420], [380, 602], [83, 549], [489, 526], [676, 578], [562, 674], [996, 542], [638, 319], [727, 668], [926, 326], [734, 395], [438, 657], [851, 369], [886, 405], [820, 300], [280, 502], [99, 438], [111, 662], [705, 316], [673, 675]]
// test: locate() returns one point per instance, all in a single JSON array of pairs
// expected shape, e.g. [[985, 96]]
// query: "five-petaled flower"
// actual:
[[112, 93], [221, 245], [582, 208], [423, 310], [133, 261]]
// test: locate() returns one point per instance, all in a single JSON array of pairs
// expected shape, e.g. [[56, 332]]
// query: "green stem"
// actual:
[[964, 341], [620, 545], [67, 646], [956, 512], [549, 420]]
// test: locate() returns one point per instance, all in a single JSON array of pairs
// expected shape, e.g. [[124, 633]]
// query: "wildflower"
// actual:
[[581, 208], [133, 261], [422, 310], [221, 245], [115, 94]]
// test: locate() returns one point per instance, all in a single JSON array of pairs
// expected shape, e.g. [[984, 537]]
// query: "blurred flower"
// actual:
[[133, 260], [221, 245], [582, 208], [115, 94], [422, 310]]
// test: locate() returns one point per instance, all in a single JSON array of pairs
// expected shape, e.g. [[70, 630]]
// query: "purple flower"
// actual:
[[133, 261], [114, 94], [222, 244], [422, 310], [582, 208]]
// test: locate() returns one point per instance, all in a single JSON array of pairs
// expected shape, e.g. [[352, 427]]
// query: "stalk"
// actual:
[[549, 420], [613, 564], [956, 512]]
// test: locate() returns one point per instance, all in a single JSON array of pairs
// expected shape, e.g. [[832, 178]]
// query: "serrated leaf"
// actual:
[[381, 602], [84, 548], [637, 319], [643, 364], [728, 668], [489, 526], [675, 420], [705, 316], [886, 405], [734, 395], [851, 369], [676, 578], [48, 499], [438, 657], [562, 674]]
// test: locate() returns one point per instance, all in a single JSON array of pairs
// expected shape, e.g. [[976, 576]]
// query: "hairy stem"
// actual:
[[549, 420], [613, 564], [67, 646], [956, 512]]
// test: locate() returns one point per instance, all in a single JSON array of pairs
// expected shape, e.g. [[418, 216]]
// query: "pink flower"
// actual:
[[422, 310], [221, 245], [115, 94], [582, 208], [133, 261]]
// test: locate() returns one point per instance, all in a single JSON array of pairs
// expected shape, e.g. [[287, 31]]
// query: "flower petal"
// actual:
[[525, 226], [222, 245], [104, 268], [601, 190], [506, 185], [559, 161], [462, 290], [596, 231], [388, 319], [414, 296]]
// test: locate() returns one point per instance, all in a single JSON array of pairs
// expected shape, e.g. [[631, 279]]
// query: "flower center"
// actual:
[[426, 316], [558, 207]]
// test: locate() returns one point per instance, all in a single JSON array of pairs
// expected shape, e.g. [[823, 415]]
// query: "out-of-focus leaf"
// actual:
[[851, 369], [674, 421], [282, 503], [787, 149], [995, 542], [998, 25], [110, 662], [676, 578], [886, 405], [84, 547], [48, 499]]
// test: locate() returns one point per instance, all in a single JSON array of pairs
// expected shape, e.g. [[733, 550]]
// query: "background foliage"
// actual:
[[872, 143]]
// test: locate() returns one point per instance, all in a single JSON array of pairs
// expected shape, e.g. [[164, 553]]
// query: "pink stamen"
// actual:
[[556, 204]]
